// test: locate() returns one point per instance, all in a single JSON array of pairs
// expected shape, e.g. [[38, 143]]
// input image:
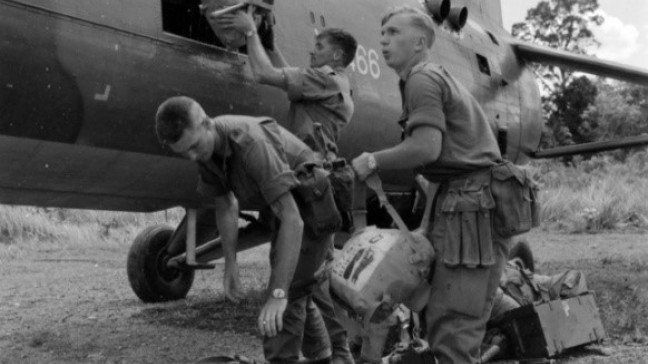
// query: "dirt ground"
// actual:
[[76, 306]]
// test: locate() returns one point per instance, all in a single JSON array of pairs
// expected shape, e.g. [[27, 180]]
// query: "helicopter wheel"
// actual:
[[148, 274]]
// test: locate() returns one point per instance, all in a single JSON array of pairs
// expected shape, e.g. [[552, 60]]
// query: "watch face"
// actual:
[[278, 293], [372, 162]]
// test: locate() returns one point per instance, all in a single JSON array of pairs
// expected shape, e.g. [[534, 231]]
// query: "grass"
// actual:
[[594, 195], [25, 228]]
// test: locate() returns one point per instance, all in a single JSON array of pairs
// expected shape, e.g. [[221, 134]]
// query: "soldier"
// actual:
[[446, 138], [320, 106], [249, 163], [319, 94]]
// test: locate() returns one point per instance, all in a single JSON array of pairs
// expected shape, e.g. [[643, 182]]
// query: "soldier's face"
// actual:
[[197, 140], [400, 41], [324, 53]]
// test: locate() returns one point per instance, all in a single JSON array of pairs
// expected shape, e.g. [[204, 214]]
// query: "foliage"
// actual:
[[53, 227], [560, 24], [620, 110], [566, 124], [594, 195], [564, 25]]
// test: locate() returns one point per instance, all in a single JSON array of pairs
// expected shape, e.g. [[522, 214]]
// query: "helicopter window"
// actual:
[[312, 17], [322, 21], [185, 19], [482, 62], [492, 37]]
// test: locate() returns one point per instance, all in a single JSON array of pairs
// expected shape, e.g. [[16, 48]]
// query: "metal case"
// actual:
[[547, 329]]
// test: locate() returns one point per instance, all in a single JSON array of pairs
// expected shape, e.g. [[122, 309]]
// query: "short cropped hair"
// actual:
[[418, 18], [172, 118], [343, 40]]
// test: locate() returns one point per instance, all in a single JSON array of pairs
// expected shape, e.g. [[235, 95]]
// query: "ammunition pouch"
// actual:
[[314, 197], [342, 180], [517, 209], [466, 210]]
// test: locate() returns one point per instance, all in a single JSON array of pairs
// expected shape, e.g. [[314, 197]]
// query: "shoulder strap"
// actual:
[[375, 184], [430, 192], [430, 189]]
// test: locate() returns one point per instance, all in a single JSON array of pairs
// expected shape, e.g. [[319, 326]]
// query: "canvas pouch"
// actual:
[[466, 209], [517, 209], [314, 197], [342, 180]]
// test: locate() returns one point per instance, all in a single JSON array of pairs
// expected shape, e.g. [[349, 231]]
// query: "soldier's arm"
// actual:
[[423, 96], [287, 249], [275, 180], [288, 243], [262, 67], [227, 211], [422, 147], [277, 58]]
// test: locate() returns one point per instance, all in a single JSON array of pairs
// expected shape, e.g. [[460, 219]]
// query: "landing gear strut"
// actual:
[[162, 261]]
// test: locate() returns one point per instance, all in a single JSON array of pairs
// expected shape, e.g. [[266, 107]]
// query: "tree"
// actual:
[[619, 110], [570, 105], [560, 24], [565, 25]]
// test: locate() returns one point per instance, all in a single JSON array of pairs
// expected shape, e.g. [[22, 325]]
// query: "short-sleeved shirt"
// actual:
[[258, 163], [433, 97], [318, 95]]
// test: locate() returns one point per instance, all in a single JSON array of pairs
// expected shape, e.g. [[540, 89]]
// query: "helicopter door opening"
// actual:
[[184, 18], [190, 19]]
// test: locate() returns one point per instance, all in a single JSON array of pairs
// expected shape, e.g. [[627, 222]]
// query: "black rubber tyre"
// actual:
[[522, 250], [148, 274]]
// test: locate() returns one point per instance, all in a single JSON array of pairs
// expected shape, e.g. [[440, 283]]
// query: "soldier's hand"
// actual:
[[270, 320], [361, 166], [232, 283], [242, 21]]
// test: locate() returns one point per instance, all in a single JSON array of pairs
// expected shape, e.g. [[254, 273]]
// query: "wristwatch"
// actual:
[[278, 293], [250, 33], [371, 163]]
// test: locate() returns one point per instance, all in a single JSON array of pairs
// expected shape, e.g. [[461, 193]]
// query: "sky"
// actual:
[[623, 34]]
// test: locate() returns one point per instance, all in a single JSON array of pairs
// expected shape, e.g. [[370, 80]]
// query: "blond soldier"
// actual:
[[447, 138]]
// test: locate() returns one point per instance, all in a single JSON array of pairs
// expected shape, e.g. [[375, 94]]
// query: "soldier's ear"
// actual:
[[204, 122], [421, 42], [338, 55]]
